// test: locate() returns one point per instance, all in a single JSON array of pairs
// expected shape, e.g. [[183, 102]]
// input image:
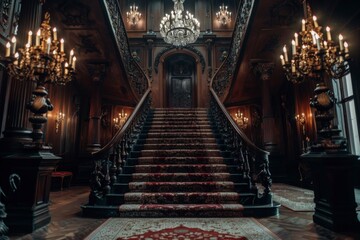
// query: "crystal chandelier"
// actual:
[[134, 16], [223, 16], [179, 28], [43, 61]]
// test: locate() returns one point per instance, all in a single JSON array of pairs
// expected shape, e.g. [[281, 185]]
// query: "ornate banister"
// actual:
[[252, 161], [137, 78], [111, 159], [223, 76]]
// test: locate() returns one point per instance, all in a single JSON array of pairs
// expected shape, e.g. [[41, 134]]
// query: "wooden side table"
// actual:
[[62, 175]]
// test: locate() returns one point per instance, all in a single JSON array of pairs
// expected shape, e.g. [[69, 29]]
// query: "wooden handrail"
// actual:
[[120, 133], [235, 126]]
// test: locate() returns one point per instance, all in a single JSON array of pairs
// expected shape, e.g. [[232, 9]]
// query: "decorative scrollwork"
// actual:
[[221, 80], [190, 48], [136, 76]]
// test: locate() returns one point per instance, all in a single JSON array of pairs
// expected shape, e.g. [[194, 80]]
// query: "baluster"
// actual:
[[123, 151], [265, 175], [247, 170], [119, 161], [113, 168], [107, 187]]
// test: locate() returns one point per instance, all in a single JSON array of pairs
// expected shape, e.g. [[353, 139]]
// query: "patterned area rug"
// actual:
[[299, 199], [182, 229]]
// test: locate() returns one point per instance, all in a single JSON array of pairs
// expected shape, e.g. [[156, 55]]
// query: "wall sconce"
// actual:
[[133, 16], [120, 121], [241, 120], [223, 16], [58, 120], [301, 119]]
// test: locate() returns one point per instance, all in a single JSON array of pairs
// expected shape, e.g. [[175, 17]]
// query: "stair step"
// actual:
[[148, 146], [171, 129], [173, 122], [181, 168], [219, 186], [179, 177], [182, 198], [181, 210], [179, 160], [176, 140], [178, 153]]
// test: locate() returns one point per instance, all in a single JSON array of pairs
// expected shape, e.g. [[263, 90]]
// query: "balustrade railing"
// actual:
[[138, 80], [226, 72], [252, 161], [111, 159]]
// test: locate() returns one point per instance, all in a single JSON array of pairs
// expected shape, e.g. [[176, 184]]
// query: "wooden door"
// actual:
[[180, 81]]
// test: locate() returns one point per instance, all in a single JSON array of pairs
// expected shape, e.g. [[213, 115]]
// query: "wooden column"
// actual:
[[97, 71], [17, 129], [264, 71], [28, 207]]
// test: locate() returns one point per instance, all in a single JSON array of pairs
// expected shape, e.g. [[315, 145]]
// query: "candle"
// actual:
[[55, 33], [328, 34], [303, 25], [71, 55], [30, 38], [293, 47], [8, 45], [16, 55], [27, 46], [293, 66], [296, 39], [285, 54], [13, 40], [325, 44], [38, 38], [66, 68], [313, 37], [346, 45], [317, 42], [62, 45], [73, 63], [282, 60], [48, 45], [341, 42], [315, 22]]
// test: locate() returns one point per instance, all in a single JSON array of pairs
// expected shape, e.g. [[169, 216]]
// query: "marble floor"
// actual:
[[67, 223]]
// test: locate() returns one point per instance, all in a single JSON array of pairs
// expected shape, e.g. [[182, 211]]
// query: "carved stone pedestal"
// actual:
[[334, 190], [27, 208]]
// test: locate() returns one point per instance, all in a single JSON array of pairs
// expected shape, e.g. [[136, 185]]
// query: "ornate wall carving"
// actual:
[[190, 48]]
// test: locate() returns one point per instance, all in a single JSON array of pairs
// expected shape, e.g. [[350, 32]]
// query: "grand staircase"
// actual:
[[179, 167]]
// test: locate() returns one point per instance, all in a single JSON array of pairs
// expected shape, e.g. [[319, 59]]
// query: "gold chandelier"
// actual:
[[311, 53], [241, 120], [313, 57], [223, 15], [43, 61], [133, 16], [177, 28]]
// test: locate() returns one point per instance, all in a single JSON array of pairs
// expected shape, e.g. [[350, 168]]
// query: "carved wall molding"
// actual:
[[74, 13], [87, 44], [286, 13], [262, 69], [190, 48]]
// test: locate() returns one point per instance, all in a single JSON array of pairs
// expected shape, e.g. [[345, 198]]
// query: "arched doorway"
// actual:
[[180, 84]]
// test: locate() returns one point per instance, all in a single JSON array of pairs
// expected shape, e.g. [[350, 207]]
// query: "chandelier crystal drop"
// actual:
[[223, 16], [179, 28]]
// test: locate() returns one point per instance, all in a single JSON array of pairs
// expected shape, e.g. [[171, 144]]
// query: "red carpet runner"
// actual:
[[180, 170]]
